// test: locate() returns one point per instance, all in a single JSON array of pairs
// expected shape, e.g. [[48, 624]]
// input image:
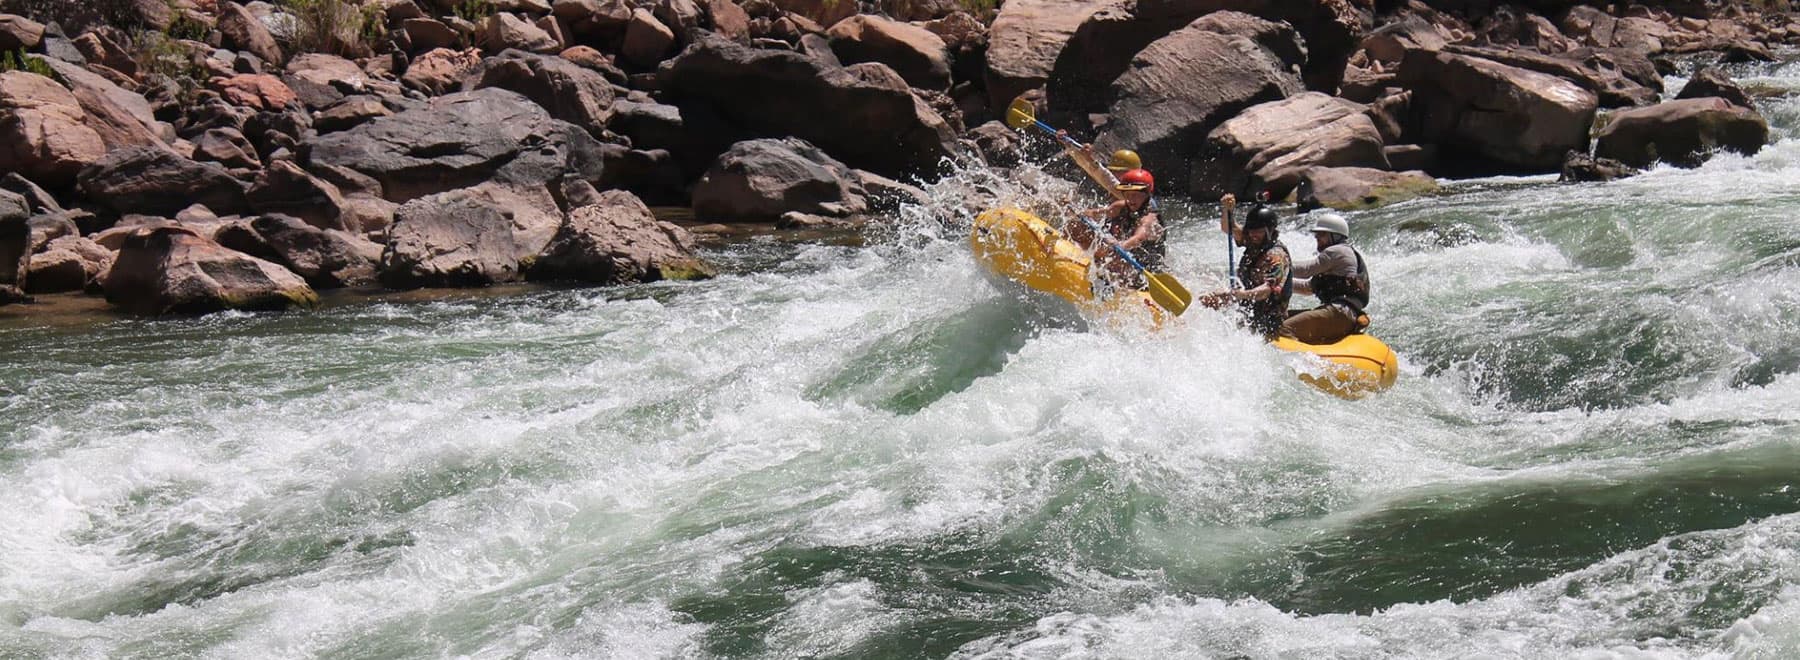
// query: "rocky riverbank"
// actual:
[[191, 155]]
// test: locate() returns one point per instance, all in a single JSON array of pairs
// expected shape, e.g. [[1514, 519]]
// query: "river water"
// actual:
[[872, 452]]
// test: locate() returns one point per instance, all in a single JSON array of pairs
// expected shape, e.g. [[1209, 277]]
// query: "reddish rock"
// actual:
[[20, 33], [1356, 188], [43, 130], [647, 40], [1102, 51], [728, 19], [503, 31], [243, 31], [758, 180], [316, 78], [427, 34], [821, 13], [1181, 87], [571, 93], [592, 60], [1024, 41], [284, 188], [441, 70], [1713, 82], [149, 180], [164, 269], [449, 239], [121, 117], [69, 263], [1269, 146], [1683, 133], [100, 50], [326, 258], [1488, 114], [349, 113], [256, 91], [226, 146], [616, 240], [914, 52]]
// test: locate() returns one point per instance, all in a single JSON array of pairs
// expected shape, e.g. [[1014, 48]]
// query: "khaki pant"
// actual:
[[1323, 325]]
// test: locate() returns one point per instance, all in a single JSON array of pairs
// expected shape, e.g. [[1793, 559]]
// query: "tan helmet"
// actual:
[[1332, 223], [1124, 160]]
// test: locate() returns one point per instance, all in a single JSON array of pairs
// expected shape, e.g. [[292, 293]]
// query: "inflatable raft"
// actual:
[[1021, 248]]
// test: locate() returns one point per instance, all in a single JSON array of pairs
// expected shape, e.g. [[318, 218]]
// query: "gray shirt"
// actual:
[[1337, 259]]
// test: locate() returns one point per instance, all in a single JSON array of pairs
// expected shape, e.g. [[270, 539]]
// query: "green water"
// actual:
[[871, 451]]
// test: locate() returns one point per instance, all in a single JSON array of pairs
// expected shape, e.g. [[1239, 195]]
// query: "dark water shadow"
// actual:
[[908, 369]]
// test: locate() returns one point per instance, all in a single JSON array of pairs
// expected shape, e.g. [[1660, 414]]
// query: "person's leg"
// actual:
[[1324, 325]]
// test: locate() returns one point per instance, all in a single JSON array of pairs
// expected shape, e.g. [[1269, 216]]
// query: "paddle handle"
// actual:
[[1231, 261]]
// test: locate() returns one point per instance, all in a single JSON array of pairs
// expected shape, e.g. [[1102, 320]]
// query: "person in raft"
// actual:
[[1339, 280], [1264, 273], [1129, 223]]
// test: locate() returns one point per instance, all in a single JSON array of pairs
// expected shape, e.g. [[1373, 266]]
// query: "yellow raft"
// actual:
[[1023, 248]]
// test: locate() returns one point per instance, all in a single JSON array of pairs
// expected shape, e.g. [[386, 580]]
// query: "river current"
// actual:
[[871, 451]]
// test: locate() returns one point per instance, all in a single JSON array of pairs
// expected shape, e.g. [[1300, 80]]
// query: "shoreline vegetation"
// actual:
[[190, 156]]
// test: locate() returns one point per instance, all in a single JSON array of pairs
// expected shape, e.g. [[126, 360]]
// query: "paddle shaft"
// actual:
[[1100, 232]]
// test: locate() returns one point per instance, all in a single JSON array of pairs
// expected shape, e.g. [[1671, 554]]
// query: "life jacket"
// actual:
[[1265, 315], [1150, 253], [1338, 289]]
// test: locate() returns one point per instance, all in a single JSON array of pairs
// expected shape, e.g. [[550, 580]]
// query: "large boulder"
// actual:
[[615, 240], [571, 93], [758, 180], [257, 91], [156, 181], [318, 79], [284, 188], [460, 140], [449, 239], [1356, 188], [243, 31], [1491, 117], [43, 130], [914, 52], [123, 118], [18, 33], [1025, 40], [1102, 50], [1611, 88], [1184, 85], [326, 258], [647, 40], [70, 263], [1683, 133], [1269, 146], [1712, 81], [168, 269], [864, 114]]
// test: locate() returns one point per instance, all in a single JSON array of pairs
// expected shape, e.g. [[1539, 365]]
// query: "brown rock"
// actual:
[[318, 79], [243, 31], [441, 70], [1590, 26], [866, 100], [122, 118], [427, 34], [1102, 50], [226, 146], [592, 60], [164, 269], [1683, 133], [326, 258], [1024, 41], [503, 31], [597, 21], [681, 16], [349, 113], [1479, 110], [1713, 82], [1270, 146], [256, 91], [1356, 188], [449, 239], [284, 188], [915, 53], [820, 13], [149, 180], [20, 33], [1610, 88], [617, 241], [571, 93], [98, 49], [647, 40], [758, 180], [1579, 167], [44, 228], [728, 19], [1389, 43], [1180, 88], [69, 263], [43, 130], [37, 199]]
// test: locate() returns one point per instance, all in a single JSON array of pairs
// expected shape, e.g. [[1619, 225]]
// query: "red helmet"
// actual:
[[1138, 179]]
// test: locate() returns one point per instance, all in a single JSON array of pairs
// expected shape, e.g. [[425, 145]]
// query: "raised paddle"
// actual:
[[1164, 289], [1020, 115]]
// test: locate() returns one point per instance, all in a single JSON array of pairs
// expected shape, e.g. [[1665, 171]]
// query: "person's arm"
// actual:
[[1227, 204], [1147, 229], [1273, 279]]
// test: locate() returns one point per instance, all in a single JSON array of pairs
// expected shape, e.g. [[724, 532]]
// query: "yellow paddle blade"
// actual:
[[1020, 114], [1168, 292]]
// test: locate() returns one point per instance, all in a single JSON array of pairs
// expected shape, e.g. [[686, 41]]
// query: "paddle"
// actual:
[[1021, 115], [1164, 288]]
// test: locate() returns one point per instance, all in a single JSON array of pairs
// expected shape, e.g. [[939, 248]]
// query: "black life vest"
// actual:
[[1337, 289], [1265, 316]]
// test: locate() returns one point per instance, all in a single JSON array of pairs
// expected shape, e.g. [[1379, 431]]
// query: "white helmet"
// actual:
[[1333, 223]]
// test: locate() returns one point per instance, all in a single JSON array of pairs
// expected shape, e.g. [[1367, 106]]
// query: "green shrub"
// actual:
[[337, 27], [17, 60], [474, 11]]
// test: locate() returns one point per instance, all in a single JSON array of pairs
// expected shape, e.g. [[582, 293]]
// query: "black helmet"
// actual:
[[1261, 217]]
